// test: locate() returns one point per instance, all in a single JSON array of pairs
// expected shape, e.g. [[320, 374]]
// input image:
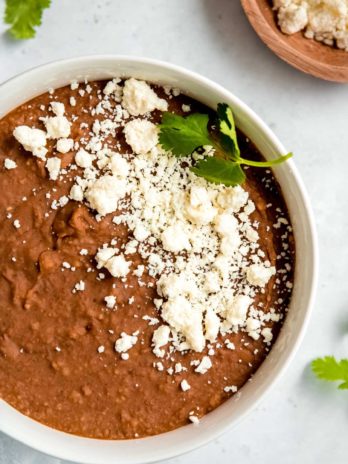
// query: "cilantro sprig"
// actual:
[[23, 16], [219, 171], [183, 135], [328, 368]]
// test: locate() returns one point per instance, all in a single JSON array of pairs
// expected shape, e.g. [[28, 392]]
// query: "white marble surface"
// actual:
[[302, 420]]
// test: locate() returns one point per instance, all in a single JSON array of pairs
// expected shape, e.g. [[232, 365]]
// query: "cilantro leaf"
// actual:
[[227, 128], [219, 171], [229, 142], [24, 16], [182, 135], [329, 369]]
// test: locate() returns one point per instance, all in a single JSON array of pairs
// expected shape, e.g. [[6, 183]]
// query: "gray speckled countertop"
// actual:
[[301, 420]]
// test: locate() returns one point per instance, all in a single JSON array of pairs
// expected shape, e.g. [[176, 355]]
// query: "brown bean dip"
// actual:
[[58, 362]]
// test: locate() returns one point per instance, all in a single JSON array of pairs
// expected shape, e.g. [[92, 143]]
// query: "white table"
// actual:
[[302, 420]]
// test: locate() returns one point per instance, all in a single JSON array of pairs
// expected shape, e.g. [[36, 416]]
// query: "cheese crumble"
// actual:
[[9, 164], [324, 20]]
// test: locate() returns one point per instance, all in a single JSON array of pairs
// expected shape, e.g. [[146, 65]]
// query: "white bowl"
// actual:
[[91, 451]]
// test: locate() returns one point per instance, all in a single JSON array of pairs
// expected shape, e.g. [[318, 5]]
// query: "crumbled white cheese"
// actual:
[[212, 282], [266, 332], [230, 388], [62, 201], [175, 239], [65, 145], [212, 325], [293, 18], [225, 224], [74, 85], [258, 274], [324, 20], [125, 342], [160, 338], [204, 365], [253, 327], [112, 88], [57, 127], [110, 301], [131, 247], [159, 366], [185, 385], [58, 108], [230, 345], [141, 233], [232, 199], [103, 256], [9, 164], [236, 310], [53, 167], [119, 165], [84, 159], [141, 135], [151, 320], [199, 208], [194, 419], [80, 286], [180, 315], [33, 140], [76, 193], [179, 368], [252, 235], [229, 244], [139, 271], [139, 98], [118, 266], [103, 195]]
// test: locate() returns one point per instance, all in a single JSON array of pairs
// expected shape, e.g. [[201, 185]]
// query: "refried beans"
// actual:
[[58, 359]]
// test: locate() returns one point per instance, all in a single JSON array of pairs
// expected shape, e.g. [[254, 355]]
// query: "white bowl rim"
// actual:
[[83, 458]]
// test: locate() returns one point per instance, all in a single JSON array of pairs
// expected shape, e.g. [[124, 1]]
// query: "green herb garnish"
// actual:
[[329, 369], [227, 128], [219, 171], [24, 16], [183, 135]]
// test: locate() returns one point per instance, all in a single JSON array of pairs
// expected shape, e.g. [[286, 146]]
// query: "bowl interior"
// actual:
[[78, 449]]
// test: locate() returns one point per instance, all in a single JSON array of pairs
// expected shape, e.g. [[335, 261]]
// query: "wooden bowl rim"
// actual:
[[281, 45]]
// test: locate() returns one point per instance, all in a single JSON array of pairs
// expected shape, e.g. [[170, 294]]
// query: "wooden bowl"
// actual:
[[307, 55]]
